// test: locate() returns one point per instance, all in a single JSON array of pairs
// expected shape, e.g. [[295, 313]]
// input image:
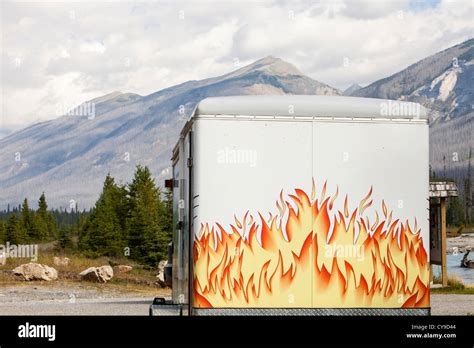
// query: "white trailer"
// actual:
[[301, 205]]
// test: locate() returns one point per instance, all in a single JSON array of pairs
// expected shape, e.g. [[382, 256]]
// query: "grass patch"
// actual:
[[139, 277], [454, 282], [455, 231], [453, 291], [455, 286]]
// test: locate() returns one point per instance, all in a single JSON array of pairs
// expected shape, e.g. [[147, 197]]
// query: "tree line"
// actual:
[[24, 225], [457, 208], [131, 220]]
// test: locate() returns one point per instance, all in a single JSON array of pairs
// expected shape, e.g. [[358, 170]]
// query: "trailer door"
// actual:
[[371, 221], [253, 223]]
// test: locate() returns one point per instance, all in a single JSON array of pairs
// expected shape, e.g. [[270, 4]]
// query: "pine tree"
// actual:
[[41, 228], [455, 212], [147, 240], [3, 232], [122, 210], [15, 232], [102, 234], [65, 241], [42, 206], [44, 221], [27, 221], [25, 214], [41, 218]]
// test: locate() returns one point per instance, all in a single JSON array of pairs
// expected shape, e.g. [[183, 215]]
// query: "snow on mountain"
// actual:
[[444, 83]]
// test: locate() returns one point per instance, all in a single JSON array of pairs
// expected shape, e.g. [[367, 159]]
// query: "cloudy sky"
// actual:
[[57, 54]]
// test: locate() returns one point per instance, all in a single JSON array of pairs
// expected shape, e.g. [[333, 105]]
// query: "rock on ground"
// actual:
[[61, 261], [123, 268], [160, 277], [36, 271], [100, 274]]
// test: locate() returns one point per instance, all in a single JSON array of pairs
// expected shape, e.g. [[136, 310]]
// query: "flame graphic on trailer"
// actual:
[[350, 261]]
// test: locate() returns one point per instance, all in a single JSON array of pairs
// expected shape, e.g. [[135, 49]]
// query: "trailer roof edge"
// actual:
[[310, 106]]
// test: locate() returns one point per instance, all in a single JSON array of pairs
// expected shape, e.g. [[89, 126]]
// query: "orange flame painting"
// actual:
[[310, 255]]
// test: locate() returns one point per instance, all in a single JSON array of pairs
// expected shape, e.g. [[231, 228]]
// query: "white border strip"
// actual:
[[314, 118]]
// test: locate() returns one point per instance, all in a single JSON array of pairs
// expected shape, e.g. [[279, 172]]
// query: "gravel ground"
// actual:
[[81, 300], [73, 299], [448, 304], [119, 306]]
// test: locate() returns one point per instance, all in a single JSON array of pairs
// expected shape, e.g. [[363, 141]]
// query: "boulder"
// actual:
[[61, 261], [100, 274], [123, 268], [465, 262], [36, 271], [160, 277]]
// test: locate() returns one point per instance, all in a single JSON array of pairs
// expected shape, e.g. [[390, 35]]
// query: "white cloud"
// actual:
[[69, 51]]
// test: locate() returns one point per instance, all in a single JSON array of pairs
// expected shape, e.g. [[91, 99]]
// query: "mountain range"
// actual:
[[68, 157]]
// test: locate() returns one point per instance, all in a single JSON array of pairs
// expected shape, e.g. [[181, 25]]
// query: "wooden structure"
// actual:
[[439, 193]]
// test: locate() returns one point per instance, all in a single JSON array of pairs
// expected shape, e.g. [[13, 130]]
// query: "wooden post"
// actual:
[[444, 269]]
